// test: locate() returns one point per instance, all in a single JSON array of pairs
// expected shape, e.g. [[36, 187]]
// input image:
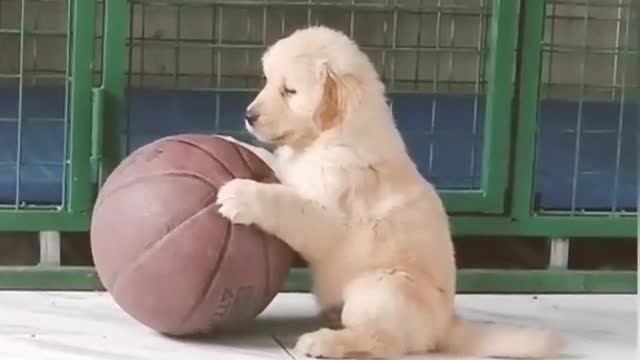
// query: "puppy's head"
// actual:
[[314, 77]]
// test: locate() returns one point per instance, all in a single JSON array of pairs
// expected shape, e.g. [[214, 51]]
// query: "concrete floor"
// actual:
[[85, 325]]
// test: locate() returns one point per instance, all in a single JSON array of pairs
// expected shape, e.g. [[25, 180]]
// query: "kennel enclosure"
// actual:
[[524, 114]]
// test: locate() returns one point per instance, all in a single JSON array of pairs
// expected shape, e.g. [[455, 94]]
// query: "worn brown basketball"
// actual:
[[163, 251]]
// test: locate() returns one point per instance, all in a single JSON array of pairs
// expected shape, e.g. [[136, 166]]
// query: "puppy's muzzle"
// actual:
[[251, 117]]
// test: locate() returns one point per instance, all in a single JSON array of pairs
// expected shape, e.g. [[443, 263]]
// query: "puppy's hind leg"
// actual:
[[384, 316]]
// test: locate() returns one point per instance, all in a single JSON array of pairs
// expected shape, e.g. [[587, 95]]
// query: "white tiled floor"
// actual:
[[72, 326]]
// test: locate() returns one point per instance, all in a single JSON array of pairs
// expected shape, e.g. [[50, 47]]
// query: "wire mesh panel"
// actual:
[[45, 108], [588, 126], [195, 65], [34, 99]]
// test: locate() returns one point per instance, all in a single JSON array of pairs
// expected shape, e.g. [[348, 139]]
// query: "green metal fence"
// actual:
[[517, 69], [24, 30]]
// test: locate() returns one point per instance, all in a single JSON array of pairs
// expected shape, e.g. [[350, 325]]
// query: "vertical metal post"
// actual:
[[559, 253], [49, 248], [82, 54], [18, 171], [116, 29], [500, 89], [530, 66]]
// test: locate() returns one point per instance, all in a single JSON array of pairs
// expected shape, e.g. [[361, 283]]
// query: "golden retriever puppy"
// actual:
[[353, 204]]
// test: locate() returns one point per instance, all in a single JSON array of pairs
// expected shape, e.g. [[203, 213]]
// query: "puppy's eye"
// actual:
[[288, 91]]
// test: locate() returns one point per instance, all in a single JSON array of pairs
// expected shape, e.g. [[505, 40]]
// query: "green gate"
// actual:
[[489, 85], [69, 167]]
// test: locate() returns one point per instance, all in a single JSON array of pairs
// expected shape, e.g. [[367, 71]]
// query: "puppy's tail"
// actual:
[[491, 341]]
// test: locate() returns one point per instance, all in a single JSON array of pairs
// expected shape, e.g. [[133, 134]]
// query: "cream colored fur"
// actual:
[[353, 204]]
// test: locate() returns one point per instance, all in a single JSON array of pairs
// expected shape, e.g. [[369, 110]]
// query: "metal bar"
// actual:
[[238, 44], [417, 54], [42, 220], [559, 253], [125, 140], [369, 6], [218, 70], [247, 53], [49, 248], [231, 89], [623, 68], [67, 103], [452, 36], [551, 45], [33, 32], [283, 23], [18, 168], [114, 83], [394, 42], [516, 281], [352, 19], [79, 179], [463, 201], [477, 90], [616, 56], [143, 34], [299, 280], [548, 226], [214, 26], [385, 29], [49, 277], [97, 134], [579, 117], [495, 155], [564, 48], [434, 88], [176, 64], [529, 80]]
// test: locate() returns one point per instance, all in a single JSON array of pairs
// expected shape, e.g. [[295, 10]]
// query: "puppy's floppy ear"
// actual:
[[332, 105]]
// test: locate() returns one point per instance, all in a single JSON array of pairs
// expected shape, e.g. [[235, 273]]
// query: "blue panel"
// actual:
[[41, 171], [453, 138], [43, 103], [8, 135], [598, 150], [443, 149], [42, 155]]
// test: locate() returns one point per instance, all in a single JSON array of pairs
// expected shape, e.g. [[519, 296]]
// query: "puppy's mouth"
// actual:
[[282, 138], [277, 140]]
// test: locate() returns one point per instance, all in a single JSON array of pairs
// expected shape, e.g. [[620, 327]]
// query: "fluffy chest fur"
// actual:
[[393, 218]]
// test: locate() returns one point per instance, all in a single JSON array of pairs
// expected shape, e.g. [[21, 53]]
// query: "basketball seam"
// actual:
[[228, 230], [207, 203], [210, 155], [210, 202], [212, 276], [266, 290], [267, 284], [147, 250], [124, 185]]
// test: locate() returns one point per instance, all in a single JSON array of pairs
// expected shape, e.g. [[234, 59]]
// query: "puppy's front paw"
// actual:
[[238, 201], [321, 344]]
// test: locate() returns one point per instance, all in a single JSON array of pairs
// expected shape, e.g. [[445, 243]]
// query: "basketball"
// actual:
[[166, 255]]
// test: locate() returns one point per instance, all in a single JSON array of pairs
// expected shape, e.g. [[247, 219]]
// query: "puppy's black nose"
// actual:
[[251, 117]]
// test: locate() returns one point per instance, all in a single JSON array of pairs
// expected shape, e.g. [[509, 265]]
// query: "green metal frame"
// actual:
[[299, 280], [76, 208], [113, 89], [522, 220], [490, 198]]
